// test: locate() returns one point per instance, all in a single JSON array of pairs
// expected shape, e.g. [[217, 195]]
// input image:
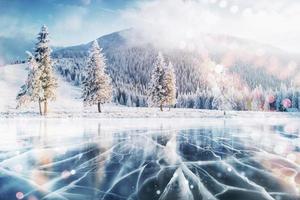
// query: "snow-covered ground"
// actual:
[[68, 103]]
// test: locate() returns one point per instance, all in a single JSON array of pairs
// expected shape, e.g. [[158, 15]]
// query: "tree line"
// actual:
[[133, 85], [41, 83]]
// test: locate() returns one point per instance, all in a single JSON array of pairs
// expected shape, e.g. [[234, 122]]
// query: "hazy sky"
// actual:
[[70, 22]]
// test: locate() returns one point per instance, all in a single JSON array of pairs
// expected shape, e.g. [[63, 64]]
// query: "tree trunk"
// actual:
[[45, 107], [40, 107], [99, 107], [161, 107]]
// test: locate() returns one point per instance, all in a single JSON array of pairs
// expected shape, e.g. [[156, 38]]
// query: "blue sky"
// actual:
[[73, 22], [69, 21]]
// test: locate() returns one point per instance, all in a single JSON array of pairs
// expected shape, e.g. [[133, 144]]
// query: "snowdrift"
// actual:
[[12, 77]]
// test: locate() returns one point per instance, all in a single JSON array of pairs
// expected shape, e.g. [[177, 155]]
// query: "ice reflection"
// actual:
[[149, 159]]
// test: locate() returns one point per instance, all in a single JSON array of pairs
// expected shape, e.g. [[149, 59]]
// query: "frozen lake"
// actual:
[[187, 159]]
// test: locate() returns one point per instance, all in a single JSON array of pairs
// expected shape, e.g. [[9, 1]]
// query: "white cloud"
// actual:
[[11, 26], [170, 22], [71, 23], [77, 24], [173, 22], [86, 2]]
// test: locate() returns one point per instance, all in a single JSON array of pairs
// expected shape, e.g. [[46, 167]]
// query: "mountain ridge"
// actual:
[[238, 54]]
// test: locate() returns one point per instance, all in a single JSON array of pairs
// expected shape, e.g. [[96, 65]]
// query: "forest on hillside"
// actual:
[[243, 85]]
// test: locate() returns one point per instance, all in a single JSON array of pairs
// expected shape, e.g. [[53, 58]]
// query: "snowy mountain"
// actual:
[[130, 61]]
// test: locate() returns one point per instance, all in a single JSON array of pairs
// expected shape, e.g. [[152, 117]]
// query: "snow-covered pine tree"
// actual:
[[221, 100], [32, 89], [157, 85], [222, 91], [23, 96], [42, 56], [258, 98], [97, 88], [295, 95], [170, 82]]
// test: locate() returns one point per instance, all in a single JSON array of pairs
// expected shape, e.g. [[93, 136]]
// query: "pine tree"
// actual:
[[129, 101], [157, 86], [258, 98], [222, 98], [221, 101], [31, 90], [97, 88], [48, 81], [170, 82]]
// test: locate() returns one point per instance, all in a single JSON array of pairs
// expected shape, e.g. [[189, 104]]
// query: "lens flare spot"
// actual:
[[19, 195]]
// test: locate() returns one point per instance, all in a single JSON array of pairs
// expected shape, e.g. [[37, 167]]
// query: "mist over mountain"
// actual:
[[130, 58]]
